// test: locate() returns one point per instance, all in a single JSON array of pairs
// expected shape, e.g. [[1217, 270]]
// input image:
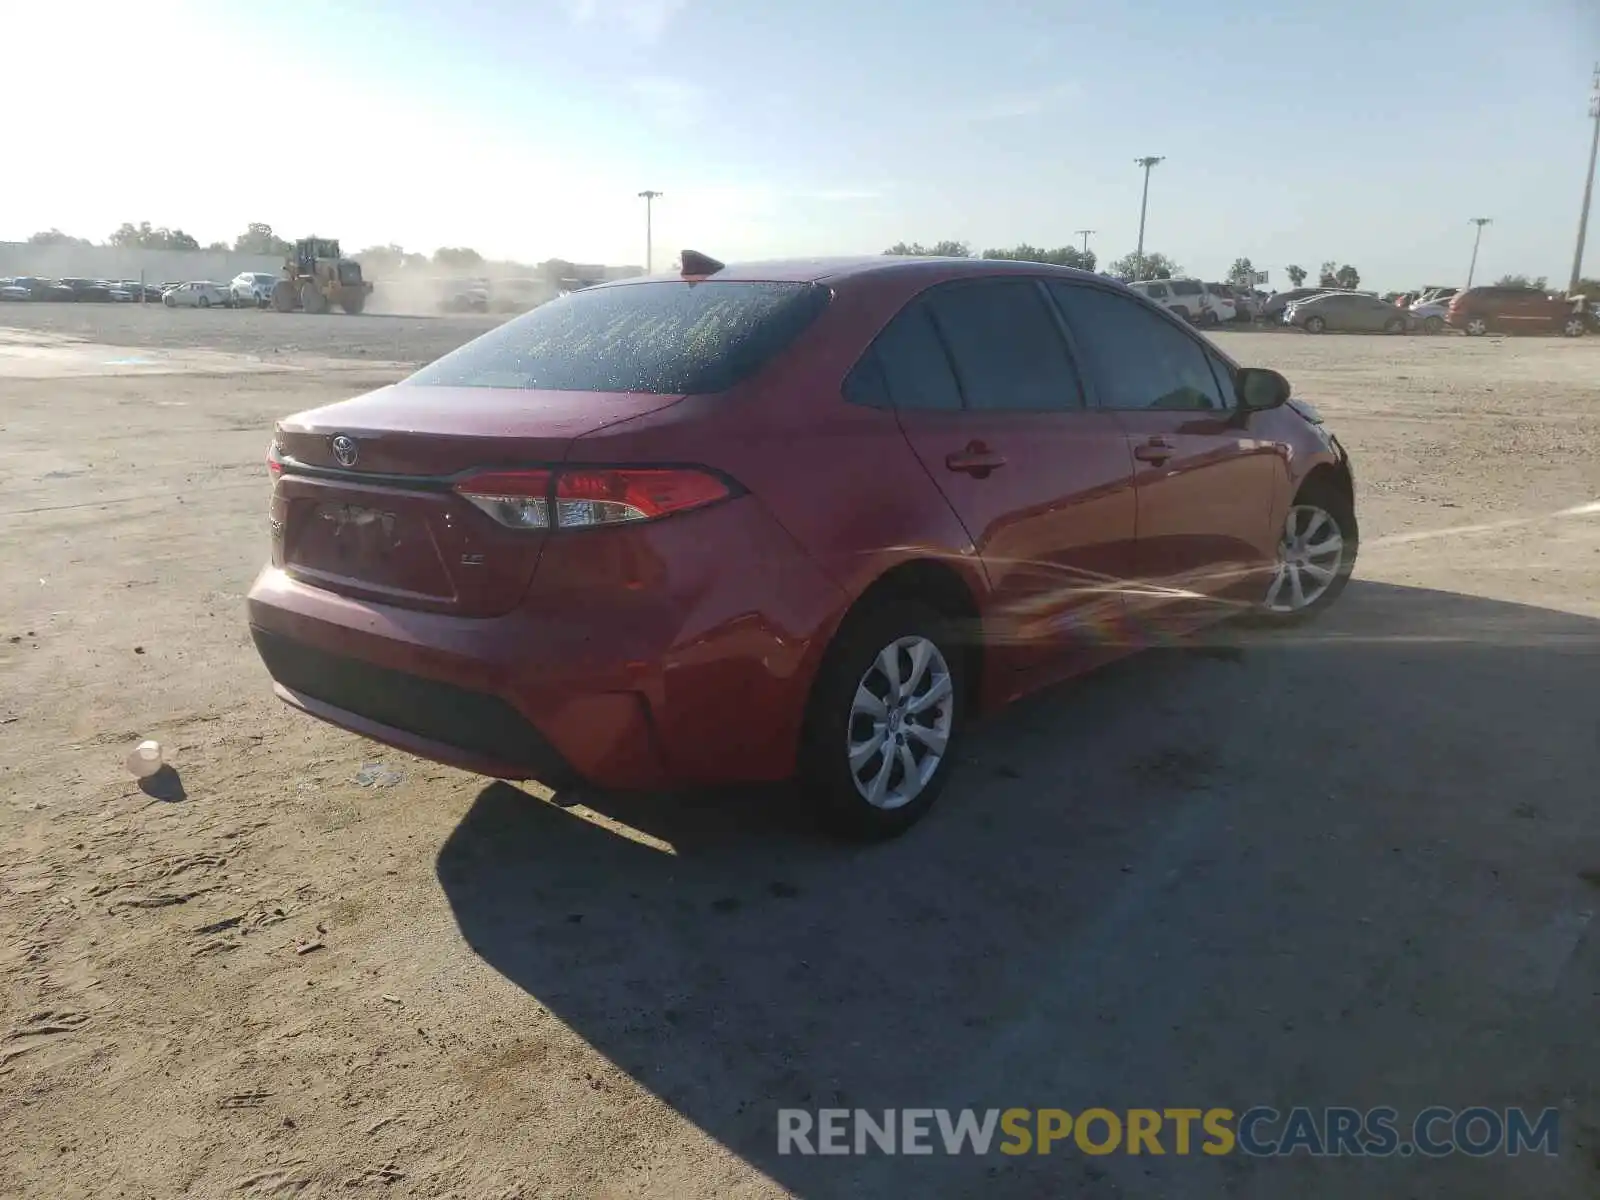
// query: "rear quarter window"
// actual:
[[664, 337], [1187, 288]]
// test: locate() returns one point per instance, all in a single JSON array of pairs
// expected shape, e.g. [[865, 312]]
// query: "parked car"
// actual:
[[1432, 314], [836, 507], [1272, 309], [26, 287], [88, 291], [1185, 298], [253, 287], [1242, 302], [1482, 310], [200, 294], [1348, 312]]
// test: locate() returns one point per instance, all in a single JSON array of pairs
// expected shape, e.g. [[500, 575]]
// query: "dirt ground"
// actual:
[[1352, 866]]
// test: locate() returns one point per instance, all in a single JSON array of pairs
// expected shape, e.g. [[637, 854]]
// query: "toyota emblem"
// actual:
[[344, 449]]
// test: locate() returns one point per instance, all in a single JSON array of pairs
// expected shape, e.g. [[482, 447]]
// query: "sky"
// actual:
[[1369, 132]]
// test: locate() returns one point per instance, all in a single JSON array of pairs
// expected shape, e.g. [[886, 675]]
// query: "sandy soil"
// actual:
[[1355, 866]]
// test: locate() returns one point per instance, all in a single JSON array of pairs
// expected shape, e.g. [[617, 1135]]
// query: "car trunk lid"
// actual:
[[364, 501]]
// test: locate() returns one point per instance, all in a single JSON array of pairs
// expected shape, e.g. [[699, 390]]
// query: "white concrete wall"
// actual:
[[116, 262]]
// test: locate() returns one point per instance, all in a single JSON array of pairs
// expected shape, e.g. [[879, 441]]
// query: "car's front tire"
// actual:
[[884, 719], [1315, 325], [1316, 554], [1574, 326], [1433, 325], [1476, 327]]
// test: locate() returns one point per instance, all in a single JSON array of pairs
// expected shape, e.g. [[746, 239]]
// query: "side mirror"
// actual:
[[1260, 388]]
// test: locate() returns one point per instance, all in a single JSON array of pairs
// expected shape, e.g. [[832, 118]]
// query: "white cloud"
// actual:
[[645, 20], [1024, 104], [671, 103]]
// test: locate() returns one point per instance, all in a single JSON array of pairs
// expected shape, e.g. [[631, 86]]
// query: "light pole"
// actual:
[[1588, 186], [1084, 234], [1144, 201], [649, 198], [1480, 222]]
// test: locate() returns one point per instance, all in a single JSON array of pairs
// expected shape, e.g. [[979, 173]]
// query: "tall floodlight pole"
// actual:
[[1144, 201], [1084, 234], [649, 198], [1480, 222], [1588, 185]]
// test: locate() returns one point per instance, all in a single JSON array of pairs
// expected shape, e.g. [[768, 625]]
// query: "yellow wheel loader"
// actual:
[[318, 277]]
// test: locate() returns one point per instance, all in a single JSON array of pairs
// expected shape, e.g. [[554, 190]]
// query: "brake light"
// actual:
[[274, 463], [588, 497]]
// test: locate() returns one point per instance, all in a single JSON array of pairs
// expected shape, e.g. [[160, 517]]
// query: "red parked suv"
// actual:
[[783, 519], [1482, 310]]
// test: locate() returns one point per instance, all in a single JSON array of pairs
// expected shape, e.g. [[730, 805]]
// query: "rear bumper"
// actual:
[[699, 678]]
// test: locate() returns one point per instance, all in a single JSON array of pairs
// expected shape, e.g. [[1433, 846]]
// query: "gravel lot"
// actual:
[[1354, 866]]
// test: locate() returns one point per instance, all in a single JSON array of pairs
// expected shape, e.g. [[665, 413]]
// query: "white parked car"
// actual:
[[1432, 314], [1187, 298], [253, 287], [200, 294]]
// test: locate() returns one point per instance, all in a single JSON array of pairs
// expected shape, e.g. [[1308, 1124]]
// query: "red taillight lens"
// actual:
[[589, 497], [585, 498], [274, 464]]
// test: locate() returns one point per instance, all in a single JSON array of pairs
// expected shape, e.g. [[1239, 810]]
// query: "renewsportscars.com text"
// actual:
[[1259, 1132]]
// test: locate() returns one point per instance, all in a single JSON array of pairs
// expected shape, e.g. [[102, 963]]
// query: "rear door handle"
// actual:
[[1155, 451], [976, 460]]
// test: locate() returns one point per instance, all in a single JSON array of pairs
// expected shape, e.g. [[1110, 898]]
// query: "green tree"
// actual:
[[1589, 288], [1296, 274], [1061, 256], [258, 238], [54, 237], [937, 250], [1347, 277], [1328, 277], [1538, 284], [458, 257], [1242, 273], [218, 247], [143, 237], [1131, 268]]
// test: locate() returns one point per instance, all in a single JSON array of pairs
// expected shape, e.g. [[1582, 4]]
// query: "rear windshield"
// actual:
[[666, 337]]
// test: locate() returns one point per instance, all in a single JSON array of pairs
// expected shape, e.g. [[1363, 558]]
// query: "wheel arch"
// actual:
[[927, 580]]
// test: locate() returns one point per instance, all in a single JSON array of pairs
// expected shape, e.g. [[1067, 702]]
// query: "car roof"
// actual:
[[819, 270]]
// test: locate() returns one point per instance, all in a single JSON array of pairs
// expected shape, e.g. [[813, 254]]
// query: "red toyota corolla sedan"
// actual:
[[785, 519]]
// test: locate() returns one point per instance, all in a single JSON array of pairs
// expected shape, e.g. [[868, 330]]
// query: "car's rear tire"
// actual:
[[1315, 325], [1395, 325], [885, 716], [1433, 325], [1476, 326], [1574, 326], [1209, 318], [1316, 554], [204, 302]]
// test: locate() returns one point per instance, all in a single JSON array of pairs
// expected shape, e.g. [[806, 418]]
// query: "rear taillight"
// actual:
[[274, 462], [587, 497]]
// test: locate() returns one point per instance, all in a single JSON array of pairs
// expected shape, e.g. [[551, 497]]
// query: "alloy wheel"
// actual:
[[1573, 327], [1309, 556], [900, 722], [1477, 327]]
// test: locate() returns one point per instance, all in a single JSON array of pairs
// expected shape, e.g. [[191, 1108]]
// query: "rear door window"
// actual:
[[666, 337], [1006, 347], [906, 367]]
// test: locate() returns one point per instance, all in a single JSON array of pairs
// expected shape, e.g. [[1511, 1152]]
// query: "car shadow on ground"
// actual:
[[1341, 865]]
